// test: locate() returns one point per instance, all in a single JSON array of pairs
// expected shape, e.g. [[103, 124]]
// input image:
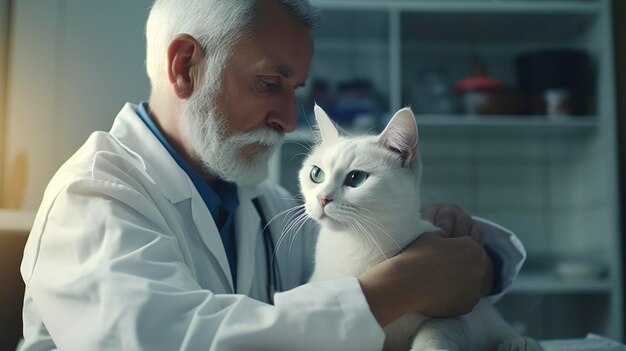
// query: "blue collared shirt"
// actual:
[[223, 196]]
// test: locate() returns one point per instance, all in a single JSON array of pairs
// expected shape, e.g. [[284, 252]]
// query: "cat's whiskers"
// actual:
[[345, 215], [292, 226], [354, 229], [297, 155], [296, 226], [369, 235], [367, 131], [354, 213], [357, 228], [293, 198], [303, 145], [284, 213], [314, 130], [369, 214], [381, 228], [294, 211], [307, 147], [381, 212], [296, 233], [395, 246]]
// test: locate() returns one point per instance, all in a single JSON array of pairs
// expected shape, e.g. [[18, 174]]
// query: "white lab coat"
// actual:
[[124, 255]]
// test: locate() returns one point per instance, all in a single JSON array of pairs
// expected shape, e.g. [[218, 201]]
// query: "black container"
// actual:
[[559, 68]]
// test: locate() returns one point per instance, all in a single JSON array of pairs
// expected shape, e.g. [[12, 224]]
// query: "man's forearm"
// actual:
[[435, 276], [384, 305]]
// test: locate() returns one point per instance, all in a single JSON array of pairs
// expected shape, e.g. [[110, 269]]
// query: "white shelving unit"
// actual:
[[552, 181]]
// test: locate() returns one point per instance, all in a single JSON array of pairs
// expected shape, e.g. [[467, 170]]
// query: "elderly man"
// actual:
[[157, 235]]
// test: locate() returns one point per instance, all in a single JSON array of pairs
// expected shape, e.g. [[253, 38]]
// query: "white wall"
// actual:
[[4, 9], [73, 64]]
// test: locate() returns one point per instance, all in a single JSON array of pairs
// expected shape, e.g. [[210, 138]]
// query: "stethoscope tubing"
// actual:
[[274, 282]]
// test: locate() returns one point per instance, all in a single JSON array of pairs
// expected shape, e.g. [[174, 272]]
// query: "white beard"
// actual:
[[203, 126]]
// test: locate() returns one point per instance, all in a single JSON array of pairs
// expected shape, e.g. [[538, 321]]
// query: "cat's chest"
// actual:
[[348, 254], [344, 255]]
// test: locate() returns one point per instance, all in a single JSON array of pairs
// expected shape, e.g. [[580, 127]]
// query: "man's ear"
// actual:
[[185, 57]]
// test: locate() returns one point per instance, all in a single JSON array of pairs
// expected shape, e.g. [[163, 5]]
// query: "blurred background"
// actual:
[[520, 106]]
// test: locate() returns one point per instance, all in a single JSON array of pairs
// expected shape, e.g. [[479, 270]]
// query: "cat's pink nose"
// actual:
[[324, 200]]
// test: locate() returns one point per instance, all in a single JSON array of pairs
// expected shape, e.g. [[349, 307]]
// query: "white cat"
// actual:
[[365, 193]]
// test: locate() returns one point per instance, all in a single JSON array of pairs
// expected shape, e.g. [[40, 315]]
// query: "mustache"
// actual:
[[264, 136]]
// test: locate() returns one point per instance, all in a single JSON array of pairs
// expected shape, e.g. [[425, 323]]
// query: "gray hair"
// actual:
[[215, 24]]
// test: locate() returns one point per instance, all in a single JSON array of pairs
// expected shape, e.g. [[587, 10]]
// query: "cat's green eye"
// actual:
[[356, 178], [317, 175]]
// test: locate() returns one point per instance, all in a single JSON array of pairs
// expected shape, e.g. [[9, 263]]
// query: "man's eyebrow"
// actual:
[[283, 70], [286, 72]]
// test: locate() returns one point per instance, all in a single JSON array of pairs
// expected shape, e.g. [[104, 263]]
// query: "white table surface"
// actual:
[[591, 342]]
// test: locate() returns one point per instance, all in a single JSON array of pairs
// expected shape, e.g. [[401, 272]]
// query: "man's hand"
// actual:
[[455, 223], [435, 276]]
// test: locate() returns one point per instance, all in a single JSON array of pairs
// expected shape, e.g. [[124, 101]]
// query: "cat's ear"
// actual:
[[400, 135], [326, 125]]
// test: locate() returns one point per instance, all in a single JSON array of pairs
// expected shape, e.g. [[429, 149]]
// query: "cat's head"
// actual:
[[353, 181]]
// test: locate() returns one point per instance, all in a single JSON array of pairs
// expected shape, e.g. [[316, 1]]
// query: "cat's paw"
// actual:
[[520, 343]]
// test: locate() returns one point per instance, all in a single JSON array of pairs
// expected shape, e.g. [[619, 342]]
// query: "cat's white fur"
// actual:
[[361, 226]]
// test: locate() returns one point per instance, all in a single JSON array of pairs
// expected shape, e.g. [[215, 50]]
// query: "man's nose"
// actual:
[[284, 118]]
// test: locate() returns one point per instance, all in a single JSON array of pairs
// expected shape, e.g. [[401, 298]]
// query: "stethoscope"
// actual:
[[274, 283]]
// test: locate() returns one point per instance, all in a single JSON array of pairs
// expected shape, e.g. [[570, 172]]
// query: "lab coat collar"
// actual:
[[137, 138], [133, 133]]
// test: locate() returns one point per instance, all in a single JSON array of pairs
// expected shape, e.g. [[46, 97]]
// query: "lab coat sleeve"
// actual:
[[105, 273], [510, 249]]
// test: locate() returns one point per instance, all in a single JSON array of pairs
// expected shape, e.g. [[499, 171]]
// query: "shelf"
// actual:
[[565, 126], [504, 125], [16, 221], [485, 26], [547, 283], [482, 21], [466, 6]]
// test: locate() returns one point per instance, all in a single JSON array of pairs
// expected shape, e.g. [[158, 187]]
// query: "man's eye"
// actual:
[[268, 84]]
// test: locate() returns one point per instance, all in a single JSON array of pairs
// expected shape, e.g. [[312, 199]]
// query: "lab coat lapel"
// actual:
[[248, 228], [133, 134], [210, 234], [130, 130]]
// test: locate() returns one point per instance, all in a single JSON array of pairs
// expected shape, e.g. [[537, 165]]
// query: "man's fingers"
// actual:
[[462, 224], [432, 235], [449, 218], [429, 212], [446, 219], [477, 233]]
